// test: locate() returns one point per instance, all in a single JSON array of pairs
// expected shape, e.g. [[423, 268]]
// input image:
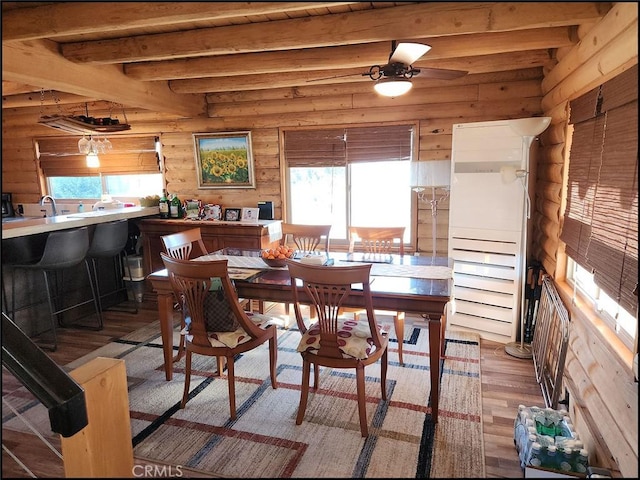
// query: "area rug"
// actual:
[[265, 442]]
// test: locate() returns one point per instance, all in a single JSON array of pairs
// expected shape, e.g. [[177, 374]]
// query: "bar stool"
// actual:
[[63, 249], [109, 242]]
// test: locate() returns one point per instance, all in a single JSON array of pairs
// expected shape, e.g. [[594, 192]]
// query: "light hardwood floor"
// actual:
[[506, 383]]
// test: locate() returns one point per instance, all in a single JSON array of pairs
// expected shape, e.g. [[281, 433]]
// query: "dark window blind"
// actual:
[[601, 219], [59, 156]]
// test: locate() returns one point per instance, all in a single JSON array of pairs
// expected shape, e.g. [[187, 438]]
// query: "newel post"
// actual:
[[103, 448]]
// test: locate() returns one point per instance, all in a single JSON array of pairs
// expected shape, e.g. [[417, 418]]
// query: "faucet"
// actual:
[[53, 203]]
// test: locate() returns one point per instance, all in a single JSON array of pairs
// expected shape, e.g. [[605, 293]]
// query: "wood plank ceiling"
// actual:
[[181, 57]]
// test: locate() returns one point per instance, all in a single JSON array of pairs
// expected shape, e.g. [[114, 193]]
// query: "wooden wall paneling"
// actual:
[[605, 388], [516, 89]]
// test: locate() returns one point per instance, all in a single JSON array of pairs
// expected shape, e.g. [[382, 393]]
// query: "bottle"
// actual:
[[164, 205], [535, 458], [565, 460], [582, 461], [552, 458], [175, 207], [80, 207]]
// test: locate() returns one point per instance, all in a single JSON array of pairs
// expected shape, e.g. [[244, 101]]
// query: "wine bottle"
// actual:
[[164, 205], [175, 207]]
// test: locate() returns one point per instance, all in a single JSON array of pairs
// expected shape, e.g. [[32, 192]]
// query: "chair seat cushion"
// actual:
[[238, 336], [355, 338]]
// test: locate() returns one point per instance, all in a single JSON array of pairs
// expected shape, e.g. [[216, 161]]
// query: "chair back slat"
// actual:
[[377, 240], [307, 238], [180, 244]]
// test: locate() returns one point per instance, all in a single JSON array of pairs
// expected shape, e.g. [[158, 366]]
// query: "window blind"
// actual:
[[340, 146], [59, 156], [601, 219]]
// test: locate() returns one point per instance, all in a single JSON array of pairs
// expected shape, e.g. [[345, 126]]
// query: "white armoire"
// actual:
[[488, 210]]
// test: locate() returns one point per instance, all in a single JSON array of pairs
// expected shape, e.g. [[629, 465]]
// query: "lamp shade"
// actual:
[[528, 127], [432, 173], [392, 87]]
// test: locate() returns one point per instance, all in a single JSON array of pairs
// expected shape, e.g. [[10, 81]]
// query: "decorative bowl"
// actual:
[[274, 262]]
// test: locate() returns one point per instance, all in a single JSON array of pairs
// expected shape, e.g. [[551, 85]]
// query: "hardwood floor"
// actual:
[[506, 383]]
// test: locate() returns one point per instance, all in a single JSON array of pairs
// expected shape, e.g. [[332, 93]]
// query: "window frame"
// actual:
[[411, 238]]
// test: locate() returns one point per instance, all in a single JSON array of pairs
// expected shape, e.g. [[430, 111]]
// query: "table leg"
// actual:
[[165, 311], [434, 364]]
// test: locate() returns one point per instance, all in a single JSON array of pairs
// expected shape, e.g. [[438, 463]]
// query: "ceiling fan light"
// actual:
[[392, 87]]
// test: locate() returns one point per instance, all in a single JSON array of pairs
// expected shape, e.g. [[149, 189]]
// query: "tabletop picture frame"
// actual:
[[232, 214], [250, 214], [224, 160]]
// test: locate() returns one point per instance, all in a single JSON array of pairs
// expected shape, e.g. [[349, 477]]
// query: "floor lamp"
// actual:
[[528, 129], [431, 180]]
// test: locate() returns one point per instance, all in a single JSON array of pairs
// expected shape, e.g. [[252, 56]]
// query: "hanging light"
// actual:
[[93, 161], [393, 86]]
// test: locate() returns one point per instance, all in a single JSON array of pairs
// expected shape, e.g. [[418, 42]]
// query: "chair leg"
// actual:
[[316, 376], [273, 359], [398, 322], [232, 387], [362, 404], [187, 380], [220, 364], [96, 295], [383, 374], [181, 348], [304, 391], [52, 315]]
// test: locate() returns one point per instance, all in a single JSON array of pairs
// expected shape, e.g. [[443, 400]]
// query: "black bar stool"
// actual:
[[109, 241], [63, 249]]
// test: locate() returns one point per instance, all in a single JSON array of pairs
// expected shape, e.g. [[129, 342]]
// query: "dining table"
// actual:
[[415, 284]]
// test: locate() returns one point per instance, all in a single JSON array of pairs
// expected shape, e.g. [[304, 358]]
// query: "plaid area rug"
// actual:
[[265, 442]]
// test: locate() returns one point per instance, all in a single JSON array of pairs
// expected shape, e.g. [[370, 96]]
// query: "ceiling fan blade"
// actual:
[[407, 53], [441, 73]]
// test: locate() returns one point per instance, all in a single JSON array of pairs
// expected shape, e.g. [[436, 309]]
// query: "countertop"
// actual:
[[34, 226]]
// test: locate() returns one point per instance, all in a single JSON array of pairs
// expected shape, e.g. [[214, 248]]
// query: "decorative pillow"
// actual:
[[235, 338], [356, 341]]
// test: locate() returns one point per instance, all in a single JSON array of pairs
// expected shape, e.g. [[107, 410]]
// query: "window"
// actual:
[[352, 176], [129, 171], [623, 323], [600, 226]]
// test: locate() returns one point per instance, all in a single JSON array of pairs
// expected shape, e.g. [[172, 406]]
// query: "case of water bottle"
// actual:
[[547, 444]]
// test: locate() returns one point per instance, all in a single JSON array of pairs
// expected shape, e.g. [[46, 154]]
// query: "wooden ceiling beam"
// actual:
[[38, 62], [363, 55], [422, 20], [480, 64], [74, 18]]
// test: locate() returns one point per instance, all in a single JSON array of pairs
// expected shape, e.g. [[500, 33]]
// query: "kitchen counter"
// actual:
[[32, 226]]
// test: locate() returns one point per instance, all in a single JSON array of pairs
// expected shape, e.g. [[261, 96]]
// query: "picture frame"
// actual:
[[232, 214], [224, 160], [250, 214]]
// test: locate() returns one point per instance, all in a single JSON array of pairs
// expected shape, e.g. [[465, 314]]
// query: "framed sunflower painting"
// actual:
[[224, 160]]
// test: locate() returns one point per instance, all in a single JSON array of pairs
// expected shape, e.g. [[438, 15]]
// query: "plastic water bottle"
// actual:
[[582, 462], [80, 207], [552, 458], [565, 460], [535, 459]]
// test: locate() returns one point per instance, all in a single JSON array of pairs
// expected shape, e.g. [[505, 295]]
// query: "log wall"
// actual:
[[434, 105], [602, 393]]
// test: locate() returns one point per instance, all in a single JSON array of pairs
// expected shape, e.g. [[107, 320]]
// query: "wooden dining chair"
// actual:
[[307, 239], [180, 245], [378, 242], [195, 282], [333, 340]]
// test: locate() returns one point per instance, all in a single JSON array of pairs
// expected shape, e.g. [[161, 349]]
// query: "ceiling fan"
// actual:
[[393, 79]]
